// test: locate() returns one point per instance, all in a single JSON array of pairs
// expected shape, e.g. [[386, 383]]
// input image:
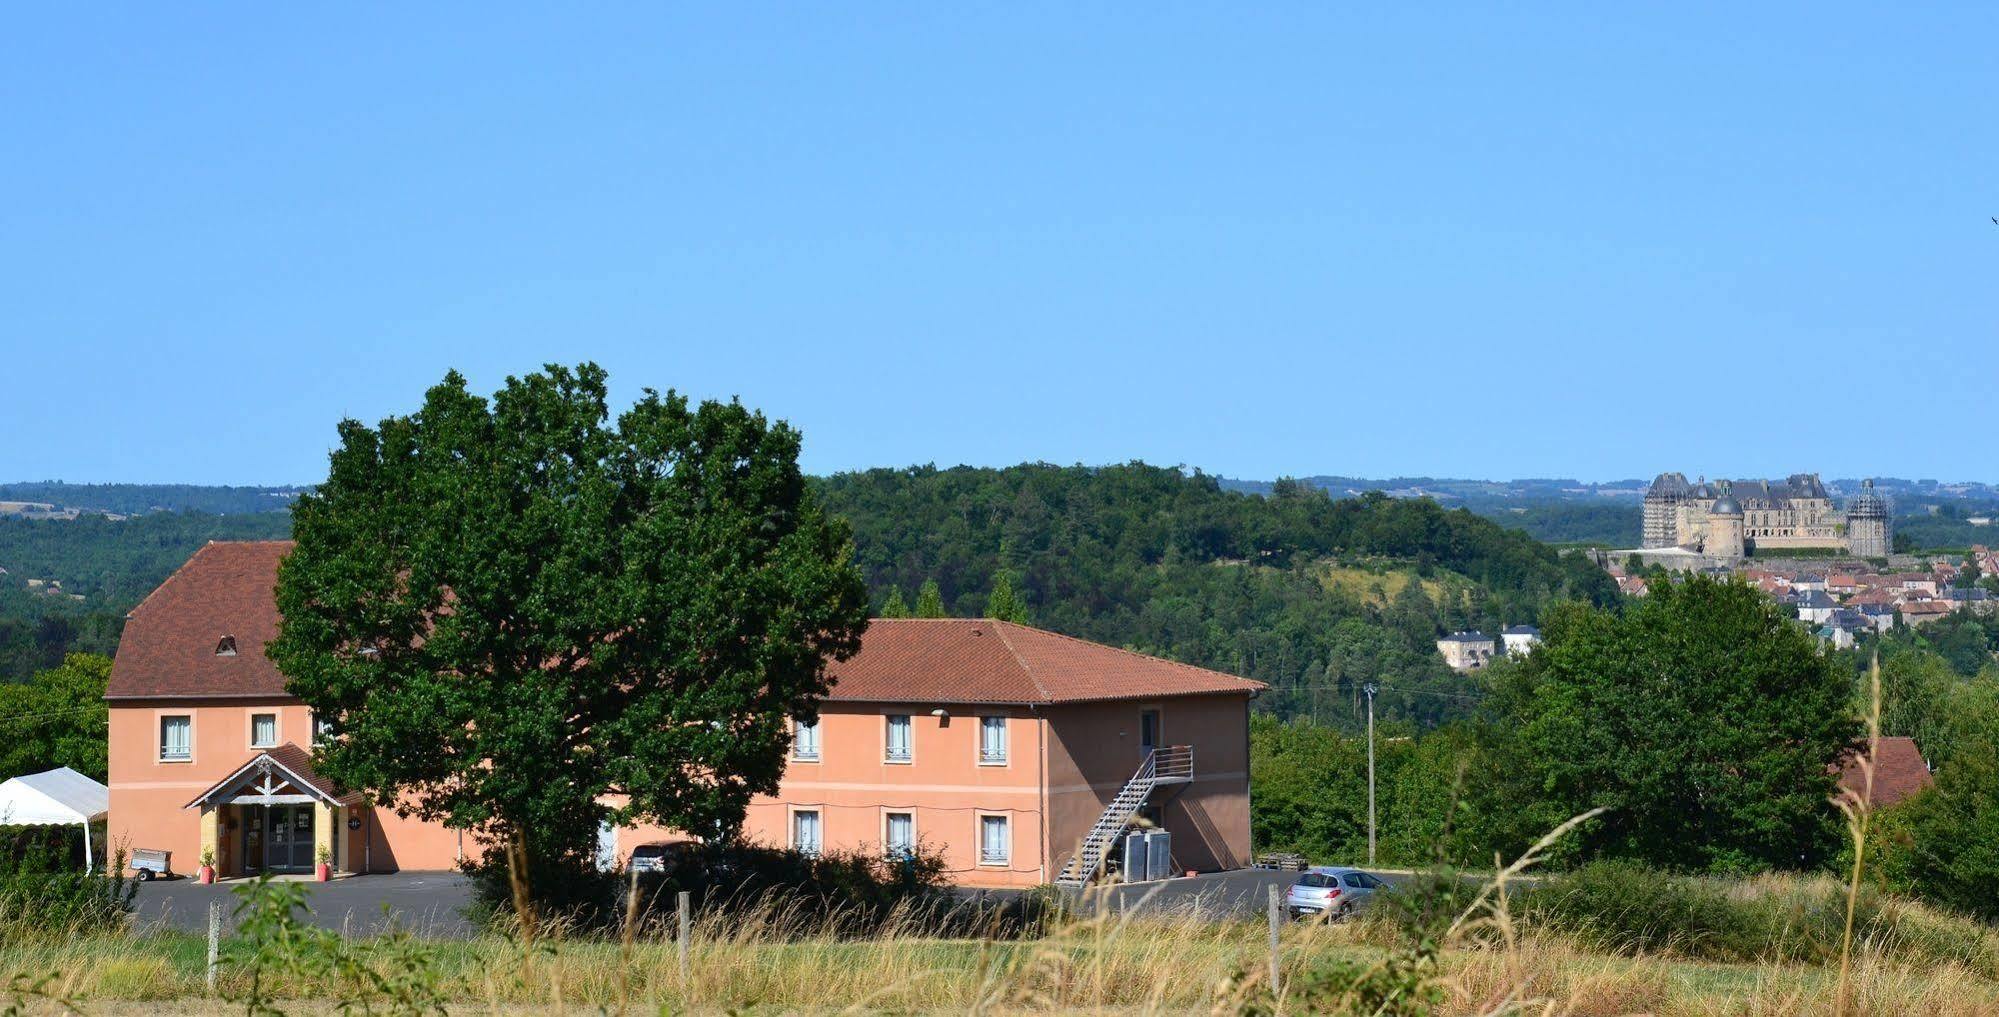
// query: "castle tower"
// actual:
[[1867, 524], [1662, 510], [1724, 527]]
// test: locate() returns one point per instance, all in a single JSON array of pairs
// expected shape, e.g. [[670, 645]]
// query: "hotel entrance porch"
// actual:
[[273, 815]]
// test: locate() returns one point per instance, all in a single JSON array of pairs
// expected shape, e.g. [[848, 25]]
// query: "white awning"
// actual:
[[54, 796]]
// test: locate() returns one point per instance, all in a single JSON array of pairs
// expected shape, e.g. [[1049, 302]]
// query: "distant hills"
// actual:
[[137, 499], [1557, 510]]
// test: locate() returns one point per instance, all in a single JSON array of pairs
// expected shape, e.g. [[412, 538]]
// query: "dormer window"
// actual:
[[227, 647]]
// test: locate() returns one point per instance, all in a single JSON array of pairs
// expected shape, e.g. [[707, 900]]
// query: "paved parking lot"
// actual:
[[428, 903], [432, 903]]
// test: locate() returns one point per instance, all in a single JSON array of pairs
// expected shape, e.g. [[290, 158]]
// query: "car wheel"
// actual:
[[1346, 912], [145, 875]]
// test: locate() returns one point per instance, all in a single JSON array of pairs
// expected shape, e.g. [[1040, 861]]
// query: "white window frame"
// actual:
[[277, 729], [909, 743], [889, 846], [315, 727], [798, 753], [979, 838], [160, 736], [979, 747], [818, 831]]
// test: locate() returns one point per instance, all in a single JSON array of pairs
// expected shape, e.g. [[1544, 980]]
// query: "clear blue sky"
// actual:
[[1544, 241]]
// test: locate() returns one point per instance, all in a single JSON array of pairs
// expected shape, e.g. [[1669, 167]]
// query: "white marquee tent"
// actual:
[[60, 796]]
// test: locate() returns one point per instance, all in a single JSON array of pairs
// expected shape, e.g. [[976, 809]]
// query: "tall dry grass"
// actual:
[[1133, 963]]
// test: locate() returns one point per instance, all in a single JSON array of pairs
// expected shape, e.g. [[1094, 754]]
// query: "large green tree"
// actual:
[[56, 718], [1943, 844], [1706, 721], [514, 611]]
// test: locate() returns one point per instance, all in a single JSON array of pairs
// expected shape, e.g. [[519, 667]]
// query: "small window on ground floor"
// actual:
[[995, 842], [805, 832], [899, 838]]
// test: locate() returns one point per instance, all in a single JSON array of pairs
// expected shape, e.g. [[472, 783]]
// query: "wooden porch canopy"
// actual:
[[279, 776]]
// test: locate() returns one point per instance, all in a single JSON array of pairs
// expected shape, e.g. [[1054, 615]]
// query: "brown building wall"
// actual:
[[1094, 749]]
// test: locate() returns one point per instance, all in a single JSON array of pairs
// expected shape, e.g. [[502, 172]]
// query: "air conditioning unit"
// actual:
[[1158, 854], [1136, 864]]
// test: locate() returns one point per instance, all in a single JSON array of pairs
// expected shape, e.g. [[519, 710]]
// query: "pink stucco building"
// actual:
[[1006, 750]]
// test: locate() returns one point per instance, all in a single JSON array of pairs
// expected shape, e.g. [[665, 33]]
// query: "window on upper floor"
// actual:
[[176, 739], [992, 740], [805, 741], [899, 744], [263, 730]]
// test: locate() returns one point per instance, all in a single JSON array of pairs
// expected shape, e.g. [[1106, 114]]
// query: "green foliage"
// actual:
[[1625, 908], [57, 718], [111, 564], [40, 895], [116, 562], [1564, 522], [1943, 844], [894, 606], [930, 601], [395, 973], [559, 610], [1706, 721], [1171, 564], [1006, 604]]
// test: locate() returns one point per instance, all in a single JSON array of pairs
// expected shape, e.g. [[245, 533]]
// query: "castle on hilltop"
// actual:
[[1733, 519]]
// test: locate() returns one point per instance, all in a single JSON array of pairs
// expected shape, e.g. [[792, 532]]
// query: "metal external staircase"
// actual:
[[1165, 766]]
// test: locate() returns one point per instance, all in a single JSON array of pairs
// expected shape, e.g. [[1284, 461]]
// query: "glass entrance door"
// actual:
[[288, 839]]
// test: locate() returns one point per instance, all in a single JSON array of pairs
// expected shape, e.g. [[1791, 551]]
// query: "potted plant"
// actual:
[[324, 855], [208, 865]]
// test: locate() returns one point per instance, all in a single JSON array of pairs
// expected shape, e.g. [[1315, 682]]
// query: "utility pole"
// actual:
[[1370, 688]]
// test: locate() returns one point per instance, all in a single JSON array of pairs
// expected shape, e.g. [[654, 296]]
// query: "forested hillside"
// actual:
[[1311, 594], [109, 564]]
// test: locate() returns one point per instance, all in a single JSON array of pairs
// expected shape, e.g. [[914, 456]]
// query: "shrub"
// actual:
[[788, 892], [41, 848], [1624, 908], [35, 903]]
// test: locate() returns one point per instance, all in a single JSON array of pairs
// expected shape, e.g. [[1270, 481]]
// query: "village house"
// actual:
[[1814, 608], [1016, 755], [1467, 651], [1520, 639], [1917, 613]]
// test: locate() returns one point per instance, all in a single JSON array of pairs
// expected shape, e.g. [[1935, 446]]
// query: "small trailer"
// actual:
[[151, 862], [1282, 861]]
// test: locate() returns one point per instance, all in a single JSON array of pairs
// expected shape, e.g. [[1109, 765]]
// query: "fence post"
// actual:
[[686, 922], [1276, 917], [214, 942]]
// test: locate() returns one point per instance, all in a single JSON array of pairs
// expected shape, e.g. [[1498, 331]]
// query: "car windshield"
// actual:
[[1318, 879]]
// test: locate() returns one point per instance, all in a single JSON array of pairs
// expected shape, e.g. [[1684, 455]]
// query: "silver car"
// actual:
[[1332, 891]]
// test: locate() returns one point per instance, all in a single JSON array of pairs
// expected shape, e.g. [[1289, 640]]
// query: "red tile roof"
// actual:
[[977, 660], [290, 757], [1899, 771], [168, 647]]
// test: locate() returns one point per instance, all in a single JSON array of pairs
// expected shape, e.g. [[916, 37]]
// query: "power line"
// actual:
[[52, 713], [1383, 688]]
